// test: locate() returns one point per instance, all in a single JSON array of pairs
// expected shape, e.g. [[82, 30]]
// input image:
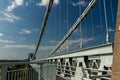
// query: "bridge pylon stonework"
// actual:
[[116, 55]]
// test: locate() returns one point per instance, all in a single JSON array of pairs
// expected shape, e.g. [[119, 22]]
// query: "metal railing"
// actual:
[[83, 73], [28, 71], [23, 74]]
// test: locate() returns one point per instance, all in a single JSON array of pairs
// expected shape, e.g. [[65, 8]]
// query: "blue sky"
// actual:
[[20, 23]]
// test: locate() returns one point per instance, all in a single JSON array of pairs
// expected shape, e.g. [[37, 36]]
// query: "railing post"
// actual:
[[4, 72], [41, 71]]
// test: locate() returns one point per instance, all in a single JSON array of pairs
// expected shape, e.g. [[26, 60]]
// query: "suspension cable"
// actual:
[[106, 22], [111, 7], [100, 19], [92, 24], [85, 27], [43, 25], [67, 28], [81, 44], [59, 23], [100, 16], [84, 14]]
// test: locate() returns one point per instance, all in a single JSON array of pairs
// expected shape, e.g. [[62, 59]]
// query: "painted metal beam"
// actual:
[[43, 25]]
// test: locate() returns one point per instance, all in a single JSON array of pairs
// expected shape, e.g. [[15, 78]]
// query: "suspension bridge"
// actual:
[[92, 57]]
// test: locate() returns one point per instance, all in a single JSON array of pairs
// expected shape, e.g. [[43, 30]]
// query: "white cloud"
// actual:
[[111, 30], [26, 3], [45, 48], [53, 41], [76, 30], [19, 46], [25, 31], [1, 34], [87, 40], [56, 2], [31, 47], [6, 41], [80, 3], [14, 4], [46, 2], [10, 17], [22, 38], [13, 55], [72, 42]]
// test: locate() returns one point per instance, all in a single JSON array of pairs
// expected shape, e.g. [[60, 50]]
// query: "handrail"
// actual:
[[26, 62], [97, 70]]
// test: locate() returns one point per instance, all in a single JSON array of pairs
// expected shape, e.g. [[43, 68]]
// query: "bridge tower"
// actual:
[[116, 55]]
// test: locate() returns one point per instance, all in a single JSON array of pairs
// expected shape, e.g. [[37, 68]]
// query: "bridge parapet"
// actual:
[[28, 71], [88, 64]]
